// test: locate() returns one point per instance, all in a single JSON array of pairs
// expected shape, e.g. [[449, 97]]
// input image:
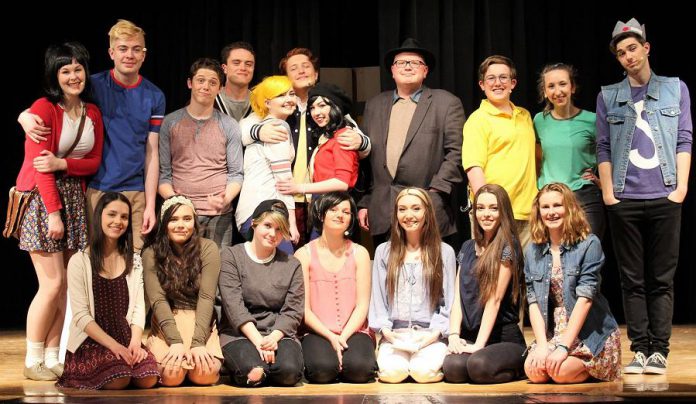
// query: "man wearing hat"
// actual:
[[416, 141], [644, 136]]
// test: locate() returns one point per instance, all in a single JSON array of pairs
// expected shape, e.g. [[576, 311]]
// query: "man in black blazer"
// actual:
[[416, 136]]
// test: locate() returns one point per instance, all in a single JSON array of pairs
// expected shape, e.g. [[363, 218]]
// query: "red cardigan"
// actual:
[[331, 161], [28, 177]]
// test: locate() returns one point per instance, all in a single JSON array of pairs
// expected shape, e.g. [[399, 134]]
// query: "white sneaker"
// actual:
[[656, 364], [637, 365]]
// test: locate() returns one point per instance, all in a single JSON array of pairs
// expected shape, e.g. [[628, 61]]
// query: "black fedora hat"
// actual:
[[410, 45]]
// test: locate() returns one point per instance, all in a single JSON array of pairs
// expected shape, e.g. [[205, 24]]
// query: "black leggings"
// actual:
[[499, 362], [321, 362], [241, 356]]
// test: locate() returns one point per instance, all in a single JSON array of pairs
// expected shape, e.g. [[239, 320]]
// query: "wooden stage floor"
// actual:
[[678, 385]]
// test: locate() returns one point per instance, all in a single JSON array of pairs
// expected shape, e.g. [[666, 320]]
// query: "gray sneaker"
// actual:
[[637, 365], [39, 372], [656, 364]]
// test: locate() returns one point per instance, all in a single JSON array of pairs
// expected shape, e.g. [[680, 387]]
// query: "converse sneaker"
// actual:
[[637, 365], [656, 364], [39, 372]]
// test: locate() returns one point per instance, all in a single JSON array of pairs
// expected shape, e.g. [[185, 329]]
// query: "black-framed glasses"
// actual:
[[413, 63], [503, 78]]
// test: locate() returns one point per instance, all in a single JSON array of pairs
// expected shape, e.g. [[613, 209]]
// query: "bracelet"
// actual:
[[563, 347], [452, 333]]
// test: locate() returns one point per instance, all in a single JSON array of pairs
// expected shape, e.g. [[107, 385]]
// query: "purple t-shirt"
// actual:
[[643, 174]]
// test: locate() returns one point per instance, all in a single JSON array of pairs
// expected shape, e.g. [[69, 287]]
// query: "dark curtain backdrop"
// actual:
[[461, 33]]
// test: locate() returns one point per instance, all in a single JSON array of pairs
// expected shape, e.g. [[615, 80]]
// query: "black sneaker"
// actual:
[[656, 364], [637, 365]]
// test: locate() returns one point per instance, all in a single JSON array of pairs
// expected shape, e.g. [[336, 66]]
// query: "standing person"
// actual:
[[567, 143], [331, 167], [339, 344], [302, 68], [200, 154], [499, 142], [55, 224], [485, 341], [412, 292], [644, 139], [132, 108], [266, 164], [238, 61], [417, 142], [181, 270], [576, 334], [262, 304], [105, 349]]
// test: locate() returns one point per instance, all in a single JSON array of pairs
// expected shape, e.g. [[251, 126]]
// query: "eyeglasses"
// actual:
[[503, 78], [413, 63]]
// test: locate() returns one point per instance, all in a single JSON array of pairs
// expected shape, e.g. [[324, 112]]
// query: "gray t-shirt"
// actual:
[[236, 109]]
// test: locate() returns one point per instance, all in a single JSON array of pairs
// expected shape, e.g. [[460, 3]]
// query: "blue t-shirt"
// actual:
[[130, 113]]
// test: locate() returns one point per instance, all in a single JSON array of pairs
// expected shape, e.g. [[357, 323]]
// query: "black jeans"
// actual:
[[321, 362], [590, 198], [501, 361], [645, 234], [241, 357]]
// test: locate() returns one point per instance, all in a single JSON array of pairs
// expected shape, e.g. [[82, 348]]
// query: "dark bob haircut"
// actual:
[[327, 201], [55, 58]]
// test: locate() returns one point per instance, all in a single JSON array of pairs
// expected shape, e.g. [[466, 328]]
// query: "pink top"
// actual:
[[333, 295]]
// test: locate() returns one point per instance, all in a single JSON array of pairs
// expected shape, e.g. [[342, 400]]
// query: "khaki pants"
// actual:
[[137, 200]]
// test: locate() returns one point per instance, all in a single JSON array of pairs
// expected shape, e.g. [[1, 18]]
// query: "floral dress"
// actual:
[[606, 365]]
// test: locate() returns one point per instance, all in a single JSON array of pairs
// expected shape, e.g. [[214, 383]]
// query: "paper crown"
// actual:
[[631, 26]]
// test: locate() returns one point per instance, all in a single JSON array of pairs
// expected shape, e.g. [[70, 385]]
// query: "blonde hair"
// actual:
[[575, 226], [124, 29], [277, 219], [431, 249], [269, 88]]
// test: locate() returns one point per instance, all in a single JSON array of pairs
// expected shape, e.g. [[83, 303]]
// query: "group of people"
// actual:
[[286, 167]]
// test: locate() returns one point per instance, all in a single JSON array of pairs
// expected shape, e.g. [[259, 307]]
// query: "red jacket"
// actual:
[[331, 161], [28, 177]]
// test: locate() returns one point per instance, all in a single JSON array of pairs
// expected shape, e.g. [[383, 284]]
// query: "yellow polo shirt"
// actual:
[[503, 146]]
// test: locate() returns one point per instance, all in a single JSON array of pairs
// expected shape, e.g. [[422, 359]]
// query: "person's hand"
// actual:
[[137, 351], [425, 339], [554, 361], [217, 202], [149, 220], [294, 234], [349, 139], [175, 356], [589, 174], [363, 220], [287, 186], [455, 344], [34, 127], [338, 343], [537, 361], [55, 226], [121, 352], [269, 342], [677, 196], [610, 200], [268, 355], [202, 359], [47, 162], [273, 132], [389, 335], [471, 348]]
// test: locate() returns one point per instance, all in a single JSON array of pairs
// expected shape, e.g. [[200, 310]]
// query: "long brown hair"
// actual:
[[487, 268], [575, 225], [430, 243], [178, 273]]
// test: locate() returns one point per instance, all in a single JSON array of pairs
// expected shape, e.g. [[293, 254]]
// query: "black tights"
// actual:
[[496, 363], [321, 362]]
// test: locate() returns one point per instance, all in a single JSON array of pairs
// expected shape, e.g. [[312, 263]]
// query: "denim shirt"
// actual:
[[581, 264], [662, 107]]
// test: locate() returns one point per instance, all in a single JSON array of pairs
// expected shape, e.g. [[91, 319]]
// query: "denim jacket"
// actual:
[[581, 265], [662, 108]]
